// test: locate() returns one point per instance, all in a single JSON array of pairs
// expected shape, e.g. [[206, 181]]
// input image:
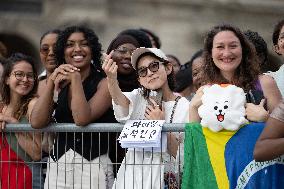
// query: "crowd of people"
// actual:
[[132, 80]]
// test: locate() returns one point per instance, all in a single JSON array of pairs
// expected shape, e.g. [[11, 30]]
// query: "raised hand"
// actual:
[[109, 66]]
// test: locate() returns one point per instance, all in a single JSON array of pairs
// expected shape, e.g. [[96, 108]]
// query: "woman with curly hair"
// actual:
[[18, 90], [230, 58], [78, 160]]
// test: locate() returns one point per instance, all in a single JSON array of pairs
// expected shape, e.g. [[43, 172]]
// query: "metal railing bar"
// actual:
[[94, 127]]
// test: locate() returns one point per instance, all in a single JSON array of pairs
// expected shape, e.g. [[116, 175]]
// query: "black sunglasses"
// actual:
[[153, 67]]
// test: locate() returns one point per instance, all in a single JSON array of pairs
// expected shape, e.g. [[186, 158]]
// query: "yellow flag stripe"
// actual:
[[217, 147]]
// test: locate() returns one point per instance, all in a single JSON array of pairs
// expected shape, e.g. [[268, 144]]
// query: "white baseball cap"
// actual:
[[142, 50]]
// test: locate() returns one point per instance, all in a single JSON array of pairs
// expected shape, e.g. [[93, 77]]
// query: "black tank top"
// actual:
[[89, 145]]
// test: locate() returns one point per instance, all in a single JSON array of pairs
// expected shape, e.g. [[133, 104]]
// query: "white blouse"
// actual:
[[138, 105]]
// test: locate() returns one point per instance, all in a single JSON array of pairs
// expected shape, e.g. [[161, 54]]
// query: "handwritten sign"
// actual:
[[141, 134]]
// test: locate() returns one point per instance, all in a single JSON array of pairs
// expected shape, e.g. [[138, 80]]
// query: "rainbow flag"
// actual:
[[225, 160]]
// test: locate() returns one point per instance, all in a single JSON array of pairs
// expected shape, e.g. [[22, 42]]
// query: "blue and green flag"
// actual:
[[225, 160]]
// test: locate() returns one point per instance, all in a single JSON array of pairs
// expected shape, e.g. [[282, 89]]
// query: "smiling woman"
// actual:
[[82, 88], [226, 53], [229, 58], [18, 90]]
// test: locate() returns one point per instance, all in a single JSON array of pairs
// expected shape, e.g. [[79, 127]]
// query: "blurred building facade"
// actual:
[[181, 24]]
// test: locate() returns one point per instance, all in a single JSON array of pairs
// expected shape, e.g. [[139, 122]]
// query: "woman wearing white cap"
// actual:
[[155, 75]]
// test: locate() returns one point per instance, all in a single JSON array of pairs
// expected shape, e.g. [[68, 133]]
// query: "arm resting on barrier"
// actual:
[[83, 111], [42, 108]]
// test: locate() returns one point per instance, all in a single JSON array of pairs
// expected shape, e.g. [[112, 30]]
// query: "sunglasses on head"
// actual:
[[153, 67]]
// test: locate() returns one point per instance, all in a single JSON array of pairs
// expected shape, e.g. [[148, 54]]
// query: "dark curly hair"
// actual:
[[247, 72], [171, 78], [5, 89], [260, 47], [91, 37], [156, 39], [140, 36], [276, 32]]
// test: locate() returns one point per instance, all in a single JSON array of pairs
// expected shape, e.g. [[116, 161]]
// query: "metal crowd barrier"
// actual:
[[43, 179]]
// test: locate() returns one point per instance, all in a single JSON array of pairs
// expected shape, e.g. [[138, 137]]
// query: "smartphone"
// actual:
[[157, 97]]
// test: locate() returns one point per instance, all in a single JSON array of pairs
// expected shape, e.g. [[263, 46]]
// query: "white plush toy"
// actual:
[[223, 107]]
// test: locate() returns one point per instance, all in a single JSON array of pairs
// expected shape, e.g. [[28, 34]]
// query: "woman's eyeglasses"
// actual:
[[124, 51], [46, 49], [153, 67], [20, 75]]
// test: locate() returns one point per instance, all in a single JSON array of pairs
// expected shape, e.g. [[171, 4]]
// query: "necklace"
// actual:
[[174, 108]]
